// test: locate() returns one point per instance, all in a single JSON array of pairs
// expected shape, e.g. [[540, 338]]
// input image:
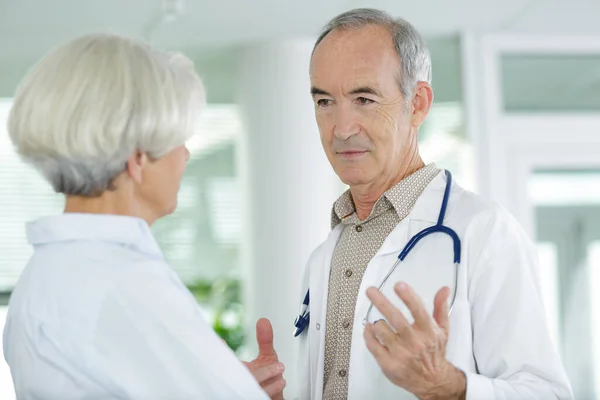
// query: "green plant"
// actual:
[[223, 298]]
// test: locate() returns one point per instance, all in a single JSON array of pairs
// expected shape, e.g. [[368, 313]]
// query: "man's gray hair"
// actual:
[[415, 61], [91, 103]]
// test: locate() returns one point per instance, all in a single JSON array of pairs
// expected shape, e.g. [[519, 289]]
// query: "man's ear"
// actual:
[[421, 103]]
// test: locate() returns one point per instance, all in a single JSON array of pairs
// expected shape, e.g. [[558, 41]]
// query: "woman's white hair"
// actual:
[[91, 103]]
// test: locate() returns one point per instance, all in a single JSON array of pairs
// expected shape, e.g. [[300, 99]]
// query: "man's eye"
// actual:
[[364, 100], [323, 102]]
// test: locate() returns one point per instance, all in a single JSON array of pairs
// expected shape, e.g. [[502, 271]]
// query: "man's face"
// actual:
[[363, 119]]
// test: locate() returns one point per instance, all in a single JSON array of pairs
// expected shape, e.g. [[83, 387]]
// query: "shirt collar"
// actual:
[[72, 227], [401, 197]]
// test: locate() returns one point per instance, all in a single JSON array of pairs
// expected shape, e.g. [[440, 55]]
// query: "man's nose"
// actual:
[[346, 123]]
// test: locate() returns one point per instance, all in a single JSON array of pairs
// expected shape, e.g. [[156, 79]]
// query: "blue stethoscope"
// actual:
[[303, 318]]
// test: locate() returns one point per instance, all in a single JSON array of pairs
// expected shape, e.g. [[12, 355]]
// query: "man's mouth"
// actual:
[[350, 154]]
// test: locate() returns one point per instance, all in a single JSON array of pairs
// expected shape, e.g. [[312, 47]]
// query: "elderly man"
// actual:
[[460, 315]]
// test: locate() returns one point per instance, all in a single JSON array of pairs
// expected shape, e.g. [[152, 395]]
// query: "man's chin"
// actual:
[[353, 175], [353, 179]]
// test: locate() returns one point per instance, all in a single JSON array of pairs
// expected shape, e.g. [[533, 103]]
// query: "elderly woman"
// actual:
[[98, 313]]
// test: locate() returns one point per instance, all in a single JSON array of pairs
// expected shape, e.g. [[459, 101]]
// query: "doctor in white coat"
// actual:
[[370, 77]]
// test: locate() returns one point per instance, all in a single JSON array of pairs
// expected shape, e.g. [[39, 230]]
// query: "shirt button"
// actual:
[[318, 326], [348, 273], [359, 228], [346, 324], [342, 373]]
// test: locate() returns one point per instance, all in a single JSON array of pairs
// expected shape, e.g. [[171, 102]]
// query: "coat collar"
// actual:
[[426, 212], [69, 227], [400, 197]]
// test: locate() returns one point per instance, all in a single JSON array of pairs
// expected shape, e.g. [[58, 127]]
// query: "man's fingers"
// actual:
[[415, 305], [394, 316], [263, 374], [264, 338], [384, 333], [440, 309], [380, 353]]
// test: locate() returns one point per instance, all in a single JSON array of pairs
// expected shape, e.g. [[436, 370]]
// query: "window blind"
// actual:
[[24, 196], [200, 239]]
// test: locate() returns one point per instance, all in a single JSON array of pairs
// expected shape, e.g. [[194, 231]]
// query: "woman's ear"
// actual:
[[136, 164]]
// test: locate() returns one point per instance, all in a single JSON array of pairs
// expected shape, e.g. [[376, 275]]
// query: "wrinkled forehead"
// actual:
[[346, 58]]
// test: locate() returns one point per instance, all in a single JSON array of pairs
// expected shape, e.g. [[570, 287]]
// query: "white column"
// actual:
[[288, 187]]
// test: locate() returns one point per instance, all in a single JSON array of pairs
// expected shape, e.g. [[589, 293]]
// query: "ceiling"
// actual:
[[211, 32], [31, 26], [39, 24]]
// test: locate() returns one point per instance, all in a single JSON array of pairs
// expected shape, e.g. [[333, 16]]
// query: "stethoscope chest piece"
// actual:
[[303, 318]]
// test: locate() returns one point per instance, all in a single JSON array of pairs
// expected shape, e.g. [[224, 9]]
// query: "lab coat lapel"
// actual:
[[424, 214], [426, 210], [319, 286]]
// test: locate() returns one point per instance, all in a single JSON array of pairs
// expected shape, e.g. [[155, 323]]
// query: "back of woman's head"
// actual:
[[89, 104]]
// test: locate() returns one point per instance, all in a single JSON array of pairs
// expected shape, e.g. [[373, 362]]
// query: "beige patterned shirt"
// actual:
[[358, 243]]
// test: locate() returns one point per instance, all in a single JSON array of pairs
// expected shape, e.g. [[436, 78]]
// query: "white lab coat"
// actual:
[[498, 330]]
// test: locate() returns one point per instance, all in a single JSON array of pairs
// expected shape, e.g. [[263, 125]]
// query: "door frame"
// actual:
[[509, 147]]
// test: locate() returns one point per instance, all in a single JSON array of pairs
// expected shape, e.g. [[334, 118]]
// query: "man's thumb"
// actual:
[[264, 338]]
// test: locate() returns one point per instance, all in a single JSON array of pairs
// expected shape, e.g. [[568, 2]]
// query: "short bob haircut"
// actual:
[[91, 103]]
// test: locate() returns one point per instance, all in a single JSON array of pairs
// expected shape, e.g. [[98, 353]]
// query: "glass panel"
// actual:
[[552, 82], [548, 254], [446, 68], [594, 290], [567, 210], [442, 140], [571, 187]]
